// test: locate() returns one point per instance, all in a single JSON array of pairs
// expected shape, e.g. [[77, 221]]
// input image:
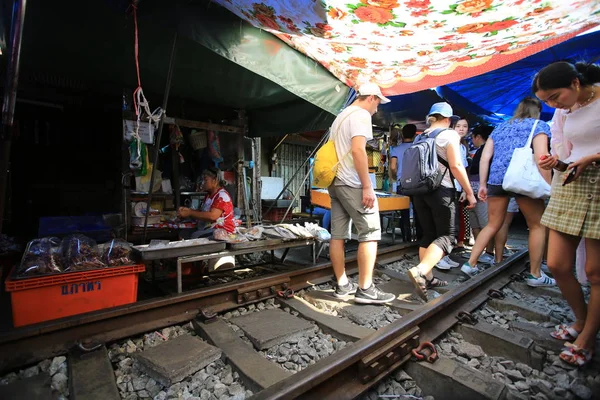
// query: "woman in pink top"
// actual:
[[574, 209]]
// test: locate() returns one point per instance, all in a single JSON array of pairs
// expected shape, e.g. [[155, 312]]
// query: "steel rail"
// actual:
[[27, 345], [333, 377]]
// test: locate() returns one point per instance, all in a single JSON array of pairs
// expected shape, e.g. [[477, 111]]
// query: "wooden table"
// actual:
[[282, 245], [388, 203]]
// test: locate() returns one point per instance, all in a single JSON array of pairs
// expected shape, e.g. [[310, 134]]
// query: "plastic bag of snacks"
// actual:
[[222, 234], [117, 252], [318, 232], [41, 257], [80, 253], [254, 233]]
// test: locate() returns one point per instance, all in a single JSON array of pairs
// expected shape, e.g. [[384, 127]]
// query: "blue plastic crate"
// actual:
[[91, 226]]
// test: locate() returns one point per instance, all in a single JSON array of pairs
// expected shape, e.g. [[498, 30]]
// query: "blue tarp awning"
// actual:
[[496, 94]]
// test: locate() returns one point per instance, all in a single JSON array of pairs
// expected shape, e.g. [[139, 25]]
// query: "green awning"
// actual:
[[221, 59]]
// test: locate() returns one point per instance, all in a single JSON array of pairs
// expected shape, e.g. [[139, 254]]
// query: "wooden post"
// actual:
[[10, 99], [175, 176]]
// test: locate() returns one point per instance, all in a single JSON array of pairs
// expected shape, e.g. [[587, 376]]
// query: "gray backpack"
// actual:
[[420, 169]]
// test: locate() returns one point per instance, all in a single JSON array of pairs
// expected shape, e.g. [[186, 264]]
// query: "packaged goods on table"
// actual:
[[240, 235], [223, 235], [318, 232]]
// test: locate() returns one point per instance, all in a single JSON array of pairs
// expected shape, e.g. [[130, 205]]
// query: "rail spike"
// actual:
[[207, 315], [466, 318], [496, 294]]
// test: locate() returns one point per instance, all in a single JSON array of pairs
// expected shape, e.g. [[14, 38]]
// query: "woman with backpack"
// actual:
[[500, 146], [436, 204]]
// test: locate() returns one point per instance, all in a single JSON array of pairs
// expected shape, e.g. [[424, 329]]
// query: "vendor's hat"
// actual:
[[368, 89], [444, 109]]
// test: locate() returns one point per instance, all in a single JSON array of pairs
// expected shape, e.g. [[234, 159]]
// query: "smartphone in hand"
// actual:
[[570, 177]]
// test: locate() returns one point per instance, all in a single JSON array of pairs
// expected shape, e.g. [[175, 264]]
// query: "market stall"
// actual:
[[259, 238], [58, 278]]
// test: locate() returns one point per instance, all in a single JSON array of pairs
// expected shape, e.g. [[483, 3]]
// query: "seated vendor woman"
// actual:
[[217, 210]]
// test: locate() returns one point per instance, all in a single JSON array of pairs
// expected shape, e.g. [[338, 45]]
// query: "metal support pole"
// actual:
[[10, 99], [256, 182], [159, 134], [322, 141]]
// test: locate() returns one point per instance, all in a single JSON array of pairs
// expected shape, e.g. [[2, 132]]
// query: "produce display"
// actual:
[[74, 253], [117, 252], [41, 257], [79, 253]]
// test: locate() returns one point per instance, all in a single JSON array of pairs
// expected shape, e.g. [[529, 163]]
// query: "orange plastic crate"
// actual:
[[276, 214], [62, 295]]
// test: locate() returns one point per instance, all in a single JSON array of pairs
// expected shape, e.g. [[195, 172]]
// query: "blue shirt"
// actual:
[[398, 152], [507, 137]]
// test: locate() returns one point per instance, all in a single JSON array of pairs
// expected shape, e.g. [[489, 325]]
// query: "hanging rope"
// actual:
[[140, 103]]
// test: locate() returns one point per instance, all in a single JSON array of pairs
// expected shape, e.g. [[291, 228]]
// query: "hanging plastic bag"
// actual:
[[41, 257], [214, 148]]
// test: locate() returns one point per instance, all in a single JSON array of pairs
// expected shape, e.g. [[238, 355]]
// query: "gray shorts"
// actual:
[[346, 207], [478, 215], [513, 207]]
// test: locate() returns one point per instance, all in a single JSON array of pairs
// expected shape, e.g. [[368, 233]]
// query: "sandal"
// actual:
[[575, 356], [419, 281], [564, 332], [435, 283]]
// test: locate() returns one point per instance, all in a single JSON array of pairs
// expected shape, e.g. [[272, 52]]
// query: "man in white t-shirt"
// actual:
[[353, 197]]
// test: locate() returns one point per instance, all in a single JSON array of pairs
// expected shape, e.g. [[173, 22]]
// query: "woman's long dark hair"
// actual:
[[561, 74]]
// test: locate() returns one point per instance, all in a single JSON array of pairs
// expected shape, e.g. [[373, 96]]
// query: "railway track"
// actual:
[[360, 358], [27, 345], [358, 367]]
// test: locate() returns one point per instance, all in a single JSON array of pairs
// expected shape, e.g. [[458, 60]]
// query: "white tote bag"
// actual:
[[523, 176]]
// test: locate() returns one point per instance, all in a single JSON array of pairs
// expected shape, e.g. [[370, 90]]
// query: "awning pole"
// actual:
[[10, 99], [159, 135]]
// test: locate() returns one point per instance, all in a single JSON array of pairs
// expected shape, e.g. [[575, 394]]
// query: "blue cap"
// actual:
[[444, 109]]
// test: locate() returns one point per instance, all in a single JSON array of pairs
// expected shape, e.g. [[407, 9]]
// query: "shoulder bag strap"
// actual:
[[440, 159], [530, 138], [338, 132]]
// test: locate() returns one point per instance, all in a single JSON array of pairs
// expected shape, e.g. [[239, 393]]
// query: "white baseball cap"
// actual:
[[444, 109], [368, 89]]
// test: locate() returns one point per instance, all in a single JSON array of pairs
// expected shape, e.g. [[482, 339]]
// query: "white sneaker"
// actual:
[[543, 280], [485, 258], [468, 270], [447, 263]]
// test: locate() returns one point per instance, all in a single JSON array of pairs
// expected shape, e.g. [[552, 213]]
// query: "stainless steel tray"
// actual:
[[149, 254], [253, 244]]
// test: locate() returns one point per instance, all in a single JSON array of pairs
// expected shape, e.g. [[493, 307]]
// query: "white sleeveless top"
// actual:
[[582, 130]]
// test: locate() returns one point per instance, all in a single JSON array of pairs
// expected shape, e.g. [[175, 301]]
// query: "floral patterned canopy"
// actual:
[[411, 45]]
